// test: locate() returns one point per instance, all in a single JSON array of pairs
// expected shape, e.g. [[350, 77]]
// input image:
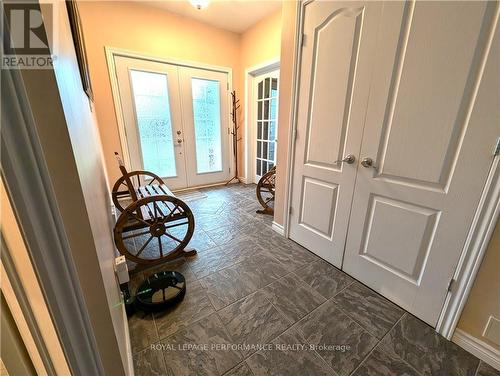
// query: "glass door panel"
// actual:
[[150, 101], [266, 123], [207, 125], [152, 109]]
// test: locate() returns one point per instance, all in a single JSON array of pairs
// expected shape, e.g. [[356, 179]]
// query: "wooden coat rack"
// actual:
[[234, 133]]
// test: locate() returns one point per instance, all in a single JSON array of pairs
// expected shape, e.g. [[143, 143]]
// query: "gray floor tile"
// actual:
[[253, 321], [225, 234], [343, 344], [206, 355], [262, 269], [293, 297], [372, 311], [290, 356], [324, 278], [429, 353], [290, 254], [201, 241], [208, 262], [241, 264], [379, 363], [149, 363], [240, 370], [195, 306], [228, 285], [487, 370], [142, 331]]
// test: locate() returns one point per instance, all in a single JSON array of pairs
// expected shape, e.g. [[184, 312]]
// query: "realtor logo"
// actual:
[[26, 33]]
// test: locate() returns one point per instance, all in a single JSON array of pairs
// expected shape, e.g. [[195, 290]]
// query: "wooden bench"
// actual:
[[150, 214]]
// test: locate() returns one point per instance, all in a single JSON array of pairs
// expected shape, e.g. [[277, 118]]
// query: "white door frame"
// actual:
[[250, 74], [111, 52], [482, 227]]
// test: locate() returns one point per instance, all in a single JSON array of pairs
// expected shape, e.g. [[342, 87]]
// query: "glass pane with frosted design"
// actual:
[[154, 123], [274, 109], [272, 130], [274, 87], [207, 125]]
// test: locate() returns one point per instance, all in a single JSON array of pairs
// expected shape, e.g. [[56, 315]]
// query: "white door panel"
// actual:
[[339, 38], [205, 107], [431, 122]]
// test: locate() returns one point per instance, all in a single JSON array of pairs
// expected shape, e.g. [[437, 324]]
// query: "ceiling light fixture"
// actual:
[[199, 4]]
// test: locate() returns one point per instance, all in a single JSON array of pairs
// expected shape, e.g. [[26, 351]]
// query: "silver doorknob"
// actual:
[[368, 162], [349, 159]]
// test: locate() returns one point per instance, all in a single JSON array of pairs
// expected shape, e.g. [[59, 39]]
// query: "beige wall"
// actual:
[[156, 32], [287, 60], [68, 134], [484, 299], [259, 44], [150, 31]]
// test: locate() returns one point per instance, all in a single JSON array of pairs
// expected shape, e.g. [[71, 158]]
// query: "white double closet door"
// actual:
[[414, 87], [176, 121]]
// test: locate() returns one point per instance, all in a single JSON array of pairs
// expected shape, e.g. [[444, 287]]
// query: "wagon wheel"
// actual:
[[154, 229], [121, 193], [265, 191]]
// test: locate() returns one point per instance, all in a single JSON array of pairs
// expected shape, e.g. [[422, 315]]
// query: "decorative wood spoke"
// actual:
[[173, 237], [160, 246], [178, 224]]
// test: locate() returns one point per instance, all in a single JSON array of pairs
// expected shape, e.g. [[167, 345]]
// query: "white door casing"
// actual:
[[431, 123], [338, 42]]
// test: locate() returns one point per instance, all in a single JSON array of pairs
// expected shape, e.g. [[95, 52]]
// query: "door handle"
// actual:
[[367, 163], [179, 140], [179, 132], [349, 159]]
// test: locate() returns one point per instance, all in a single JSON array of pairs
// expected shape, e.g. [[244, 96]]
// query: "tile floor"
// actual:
[[259, 304]]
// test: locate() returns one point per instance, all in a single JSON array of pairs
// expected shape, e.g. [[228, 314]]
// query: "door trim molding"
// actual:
[[111, 52], [299, 26], [250, 74], [278, 228], [480, 232], [475, 246], [480, 349]]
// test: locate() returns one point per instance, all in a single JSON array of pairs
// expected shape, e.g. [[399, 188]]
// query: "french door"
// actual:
[[265, 109], [176, 121], [398, 112]]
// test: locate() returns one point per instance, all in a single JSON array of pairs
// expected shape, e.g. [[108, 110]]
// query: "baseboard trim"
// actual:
[[278, 228], [481, 349]]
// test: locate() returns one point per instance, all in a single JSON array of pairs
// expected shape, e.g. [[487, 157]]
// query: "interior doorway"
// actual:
[[175, 120], [262, 124]]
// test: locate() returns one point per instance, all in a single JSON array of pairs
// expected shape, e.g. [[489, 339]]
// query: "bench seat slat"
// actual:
[[154, 190]]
